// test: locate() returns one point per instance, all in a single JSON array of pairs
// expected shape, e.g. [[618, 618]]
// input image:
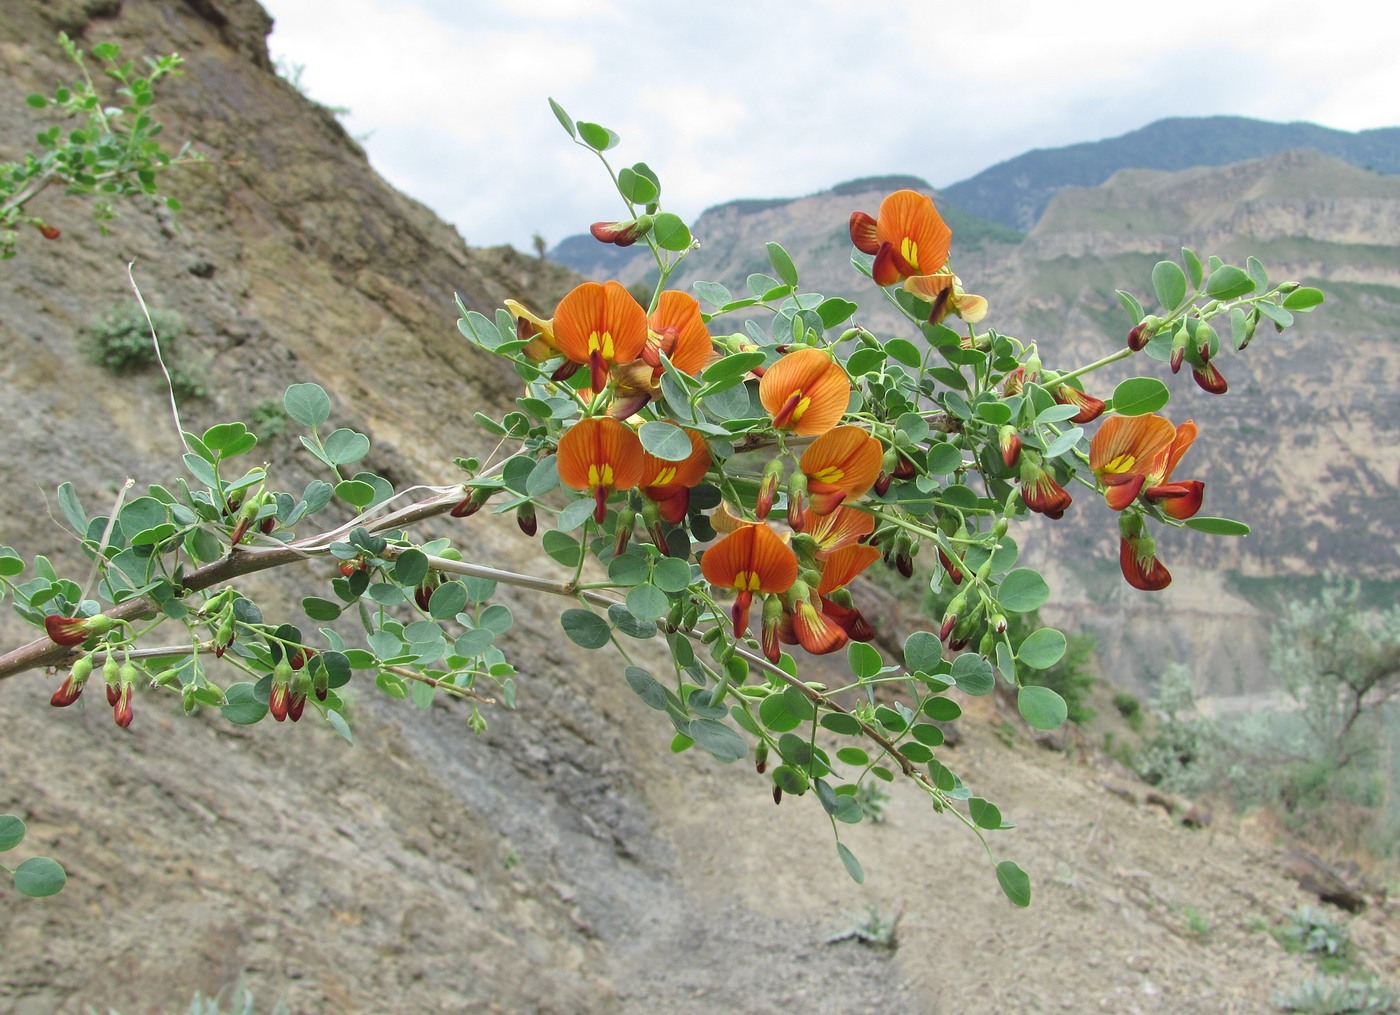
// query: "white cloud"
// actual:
[[764, 98]]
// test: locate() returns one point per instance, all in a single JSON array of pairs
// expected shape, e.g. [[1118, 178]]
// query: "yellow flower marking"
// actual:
[[909, 250], [746, 581], [600, 475], [601, 343], [665, 477], [831, 474], [1123, 463]]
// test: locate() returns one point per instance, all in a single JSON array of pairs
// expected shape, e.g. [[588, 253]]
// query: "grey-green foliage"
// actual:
[[1341, 664], [120, 340], [1314, 932], [1335, 995]]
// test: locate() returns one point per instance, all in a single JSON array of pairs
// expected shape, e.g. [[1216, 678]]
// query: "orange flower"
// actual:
[[1181, 499], [840, 465], [838, 571], [678, 330], [908, 238], [601, 455], [843, 527], [806, 392], [1138, 454], [600, 325], [752, 558], [669, 483], [1123, 451]]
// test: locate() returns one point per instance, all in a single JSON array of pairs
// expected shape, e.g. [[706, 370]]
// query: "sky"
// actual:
[[761, 98]]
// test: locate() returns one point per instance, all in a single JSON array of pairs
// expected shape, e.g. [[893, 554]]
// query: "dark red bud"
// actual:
[[295, 703], [114, 695], [50, 232], [278, 701], [67, 692], [121, 710], [777, 794]]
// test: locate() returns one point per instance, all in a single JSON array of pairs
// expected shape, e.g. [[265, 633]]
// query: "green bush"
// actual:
[[1130, 708], [120, 340]]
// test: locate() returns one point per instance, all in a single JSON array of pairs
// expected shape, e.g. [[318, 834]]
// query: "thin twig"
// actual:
[[155, 340]]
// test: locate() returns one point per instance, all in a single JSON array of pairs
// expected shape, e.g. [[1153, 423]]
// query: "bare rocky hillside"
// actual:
[[565, 861]]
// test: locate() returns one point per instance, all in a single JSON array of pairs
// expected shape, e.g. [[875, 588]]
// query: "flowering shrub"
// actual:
[[712, 470]]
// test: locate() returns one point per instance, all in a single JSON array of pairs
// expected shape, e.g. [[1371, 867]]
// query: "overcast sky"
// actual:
[[762, 98]]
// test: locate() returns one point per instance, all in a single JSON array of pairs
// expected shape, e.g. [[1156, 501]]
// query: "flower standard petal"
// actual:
[[602, 455], [918, 236], [806, 392], [691, 346], [600, 325], [840, 465], [669, 483], [752, 558]]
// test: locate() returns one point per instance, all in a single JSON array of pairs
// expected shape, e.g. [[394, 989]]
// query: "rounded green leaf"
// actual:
[[11, 831], [928, 734], [344, 446], [241, 705], [597, 137], [864, 660], [648, 603], [944, 458], [355, 493], [774, 713], [308, 404], [721, 741], [922, 652], [853, 756], [447, 600], [671, 574], [1227, 282], [902, 351], [1304, 298], [972, 674], [1041, 707], [1138, 396], [665, 440], [1023, 590], [39, 877], [646, 687], [411, 567], [564, 119], [670, 232], [585, 628], [782, 264], [984, 814], [942, 709], [562, 547], [1015, 883], [1042, 649], [1169, 283], [320, 609], [631, 568], [841, 722]]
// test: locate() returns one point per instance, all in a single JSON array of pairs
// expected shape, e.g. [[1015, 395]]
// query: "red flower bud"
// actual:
[[67, 692], [121, 708], [50, 232]]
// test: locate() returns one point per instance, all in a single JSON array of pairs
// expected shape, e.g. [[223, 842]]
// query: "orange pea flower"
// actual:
[[840, 465], [674, 328], [908, 238], [806, 392], [838, 571], [601, 455], [1137, 454], [669, 483], [600, 325], [752, 558], [842, 527], [1181, 499]]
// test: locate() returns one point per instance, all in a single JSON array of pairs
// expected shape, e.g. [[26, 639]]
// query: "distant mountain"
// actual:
[[1015, 192], [1007, 200]]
